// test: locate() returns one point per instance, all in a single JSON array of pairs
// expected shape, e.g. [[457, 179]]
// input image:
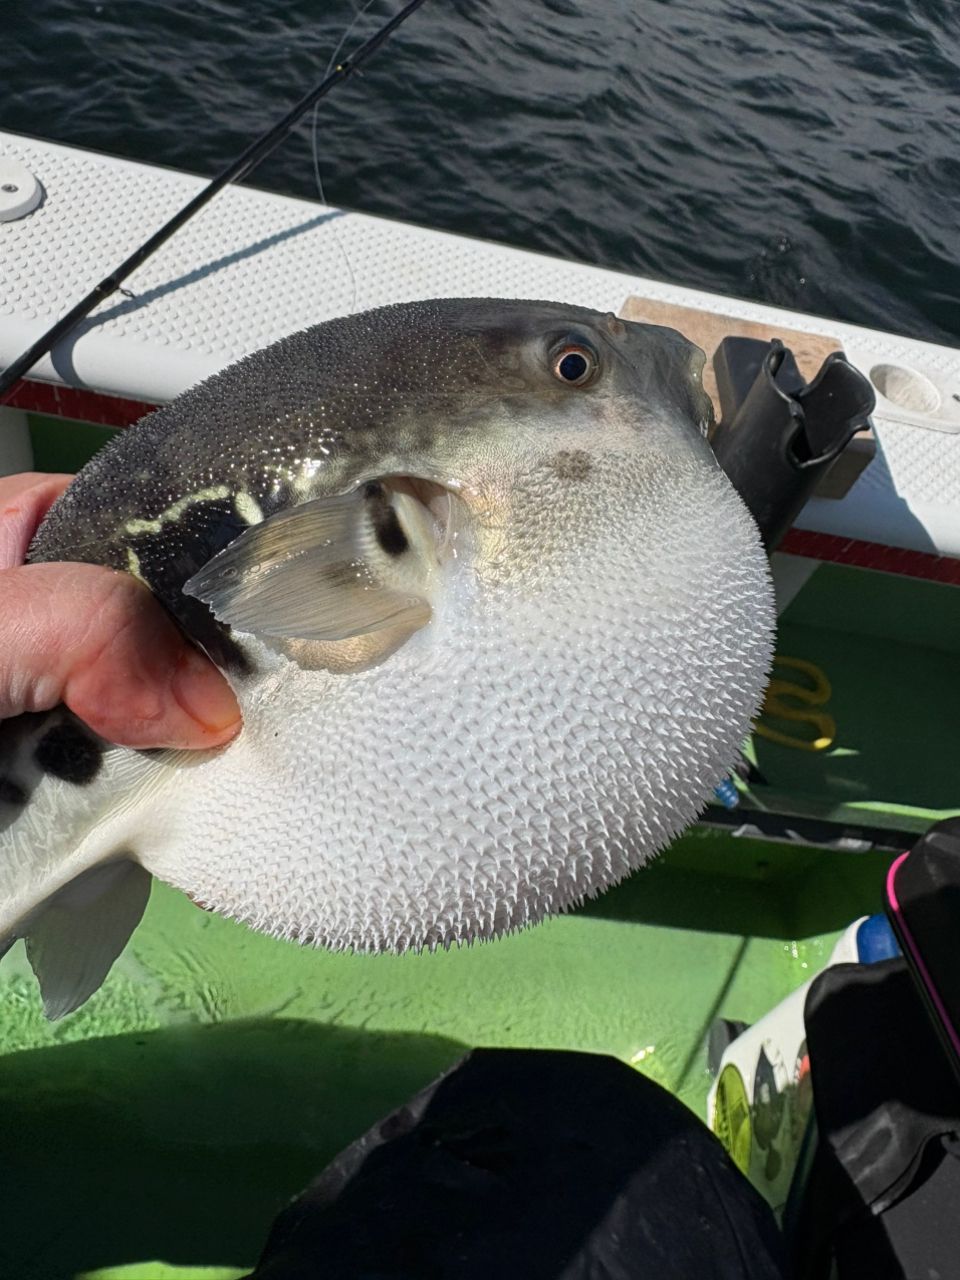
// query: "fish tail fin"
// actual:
[[69, 882]]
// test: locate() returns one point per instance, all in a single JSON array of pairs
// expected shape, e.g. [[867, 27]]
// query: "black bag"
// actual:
[[530, 1165], [883, 1197]]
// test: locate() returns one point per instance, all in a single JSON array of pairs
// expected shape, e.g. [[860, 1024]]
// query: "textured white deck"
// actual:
[[253, 266]]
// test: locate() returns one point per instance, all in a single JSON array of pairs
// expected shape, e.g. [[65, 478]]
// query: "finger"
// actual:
[[24, 501], [98, 641]]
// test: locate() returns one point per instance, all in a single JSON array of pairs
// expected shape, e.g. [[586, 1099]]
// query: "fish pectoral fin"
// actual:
[[328, 569], [294, 602], [74, 936]]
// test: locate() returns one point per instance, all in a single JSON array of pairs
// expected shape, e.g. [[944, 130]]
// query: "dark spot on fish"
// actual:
[[69, 753], [170, 556], [11, 792], [213, 637], [572, 464], [389, 534]]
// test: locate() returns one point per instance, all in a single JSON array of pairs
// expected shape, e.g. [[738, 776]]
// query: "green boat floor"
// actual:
[[890, 648], [156, 1270], [60, 444], [217, 1071]]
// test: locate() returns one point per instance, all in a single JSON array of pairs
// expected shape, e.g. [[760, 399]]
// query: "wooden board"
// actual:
[[708, 329]]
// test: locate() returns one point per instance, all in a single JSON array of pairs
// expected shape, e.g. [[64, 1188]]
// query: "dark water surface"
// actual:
[[805, 154]]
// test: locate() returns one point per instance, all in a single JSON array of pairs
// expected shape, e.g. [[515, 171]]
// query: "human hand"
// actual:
[[96, 640]]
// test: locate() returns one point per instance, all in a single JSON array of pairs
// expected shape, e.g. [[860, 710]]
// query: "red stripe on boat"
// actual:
[[76, 402], [872, 555]]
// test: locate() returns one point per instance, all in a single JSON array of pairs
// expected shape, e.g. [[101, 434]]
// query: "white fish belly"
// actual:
[[519, 753]]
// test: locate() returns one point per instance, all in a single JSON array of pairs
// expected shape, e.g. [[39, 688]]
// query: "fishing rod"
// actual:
[[240, 168]]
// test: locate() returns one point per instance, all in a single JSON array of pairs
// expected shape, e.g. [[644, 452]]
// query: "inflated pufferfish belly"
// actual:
[[496, 620]]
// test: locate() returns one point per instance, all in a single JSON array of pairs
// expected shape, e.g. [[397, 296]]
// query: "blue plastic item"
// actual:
[[876, 941]]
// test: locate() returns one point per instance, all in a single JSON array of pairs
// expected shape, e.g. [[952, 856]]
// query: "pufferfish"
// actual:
[[496, 620]]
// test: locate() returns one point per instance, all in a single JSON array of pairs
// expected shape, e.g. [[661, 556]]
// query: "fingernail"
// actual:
[[203, 693]]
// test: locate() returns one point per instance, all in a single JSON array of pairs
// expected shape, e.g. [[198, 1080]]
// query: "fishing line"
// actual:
[[239, 169], [316, 155]]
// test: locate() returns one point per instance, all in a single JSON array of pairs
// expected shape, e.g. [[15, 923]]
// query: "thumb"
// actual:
[[97, 640]]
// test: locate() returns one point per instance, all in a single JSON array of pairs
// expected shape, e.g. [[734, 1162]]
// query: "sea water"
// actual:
[[803, 154]]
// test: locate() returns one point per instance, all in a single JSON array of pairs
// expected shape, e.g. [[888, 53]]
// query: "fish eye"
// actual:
[[574, 364]]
